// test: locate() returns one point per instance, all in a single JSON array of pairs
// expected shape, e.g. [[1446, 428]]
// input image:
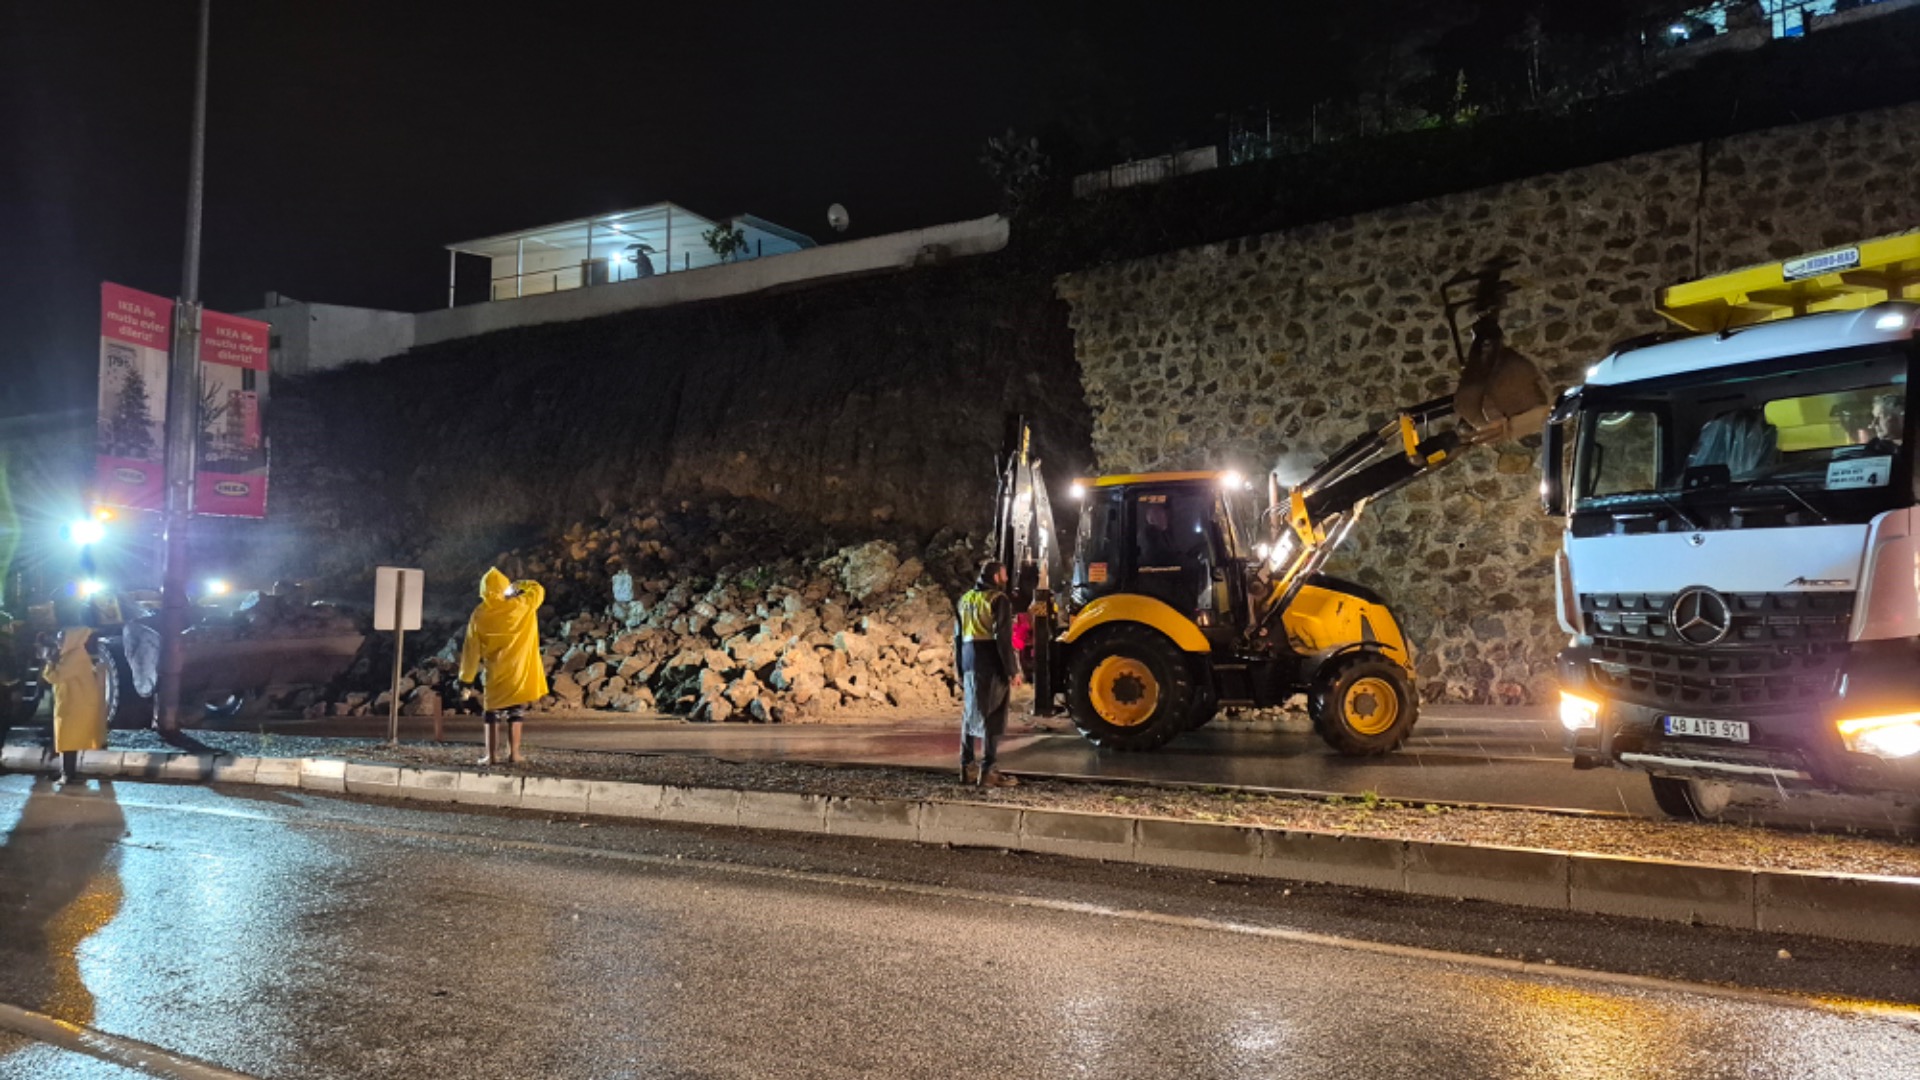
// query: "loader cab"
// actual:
[[1175, 537]]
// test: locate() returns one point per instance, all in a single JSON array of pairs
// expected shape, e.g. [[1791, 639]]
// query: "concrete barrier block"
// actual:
[[1333, 859], [880, 819], [323, 774], [277, 772], [619, 798], [235, 770], [1197, 845], [1675, 892], [364, 779], [21, 758], [1081, 835], [429, 785], [1857, 908], [787, 810], [101, 762], [704, 806], [970, 824], [195, 767], [487, 789], [1503, 875], [554, 795], [142, 762]]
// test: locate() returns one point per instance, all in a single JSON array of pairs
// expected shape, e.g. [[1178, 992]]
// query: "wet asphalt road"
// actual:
[[286, 934]]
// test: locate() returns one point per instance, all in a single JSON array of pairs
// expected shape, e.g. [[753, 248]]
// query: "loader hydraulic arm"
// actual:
[[1375, 464]]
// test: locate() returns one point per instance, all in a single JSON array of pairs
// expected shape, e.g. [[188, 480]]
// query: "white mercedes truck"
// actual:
[[1740, 569]]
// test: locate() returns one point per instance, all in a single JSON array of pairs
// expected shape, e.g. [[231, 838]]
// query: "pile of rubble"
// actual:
[[683, 621]]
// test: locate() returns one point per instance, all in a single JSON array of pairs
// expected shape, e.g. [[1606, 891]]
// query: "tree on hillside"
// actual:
[[1018, 167]]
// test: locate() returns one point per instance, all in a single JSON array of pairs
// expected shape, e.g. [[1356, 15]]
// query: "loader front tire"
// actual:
[[1363, 704]]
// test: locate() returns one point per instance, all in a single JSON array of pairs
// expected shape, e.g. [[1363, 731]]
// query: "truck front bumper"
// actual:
[[1794, 750]]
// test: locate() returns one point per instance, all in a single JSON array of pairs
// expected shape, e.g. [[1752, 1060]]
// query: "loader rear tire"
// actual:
[[1363, 704], [1130, 688]]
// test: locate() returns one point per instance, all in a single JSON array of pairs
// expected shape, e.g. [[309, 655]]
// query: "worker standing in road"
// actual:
[[503, 636], [983, 655], [79, 685]]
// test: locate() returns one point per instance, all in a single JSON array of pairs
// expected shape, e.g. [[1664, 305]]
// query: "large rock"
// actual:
[[744, 691], [755, 655], [567, 691], [867, 568]]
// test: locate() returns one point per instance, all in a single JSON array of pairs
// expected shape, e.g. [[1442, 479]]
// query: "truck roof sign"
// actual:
[[1825, 263]]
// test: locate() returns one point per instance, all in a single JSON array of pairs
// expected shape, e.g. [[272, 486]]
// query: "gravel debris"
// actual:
[[1732, 845]]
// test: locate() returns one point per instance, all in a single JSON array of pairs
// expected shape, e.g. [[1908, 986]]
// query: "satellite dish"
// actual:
[[837, 217]]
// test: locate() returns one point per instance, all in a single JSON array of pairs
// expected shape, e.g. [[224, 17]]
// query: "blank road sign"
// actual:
[[397, 590]]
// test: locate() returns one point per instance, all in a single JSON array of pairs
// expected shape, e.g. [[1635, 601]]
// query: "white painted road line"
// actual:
[[113, 1049]]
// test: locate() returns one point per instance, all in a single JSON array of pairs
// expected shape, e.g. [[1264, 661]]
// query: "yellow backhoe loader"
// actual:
[[1190, 591]]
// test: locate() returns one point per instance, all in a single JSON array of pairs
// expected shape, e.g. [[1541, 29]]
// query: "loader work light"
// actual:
[[86, 532]]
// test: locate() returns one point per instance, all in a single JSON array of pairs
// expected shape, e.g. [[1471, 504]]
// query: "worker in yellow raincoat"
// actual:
[[503, 637], [79, 686]]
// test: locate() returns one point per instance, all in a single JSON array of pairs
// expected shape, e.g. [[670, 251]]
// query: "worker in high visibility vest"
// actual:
[[983, 656]]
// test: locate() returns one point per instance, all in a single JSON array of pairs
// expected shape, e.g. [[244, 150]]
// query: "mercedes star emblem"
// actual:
[[1701, 617]]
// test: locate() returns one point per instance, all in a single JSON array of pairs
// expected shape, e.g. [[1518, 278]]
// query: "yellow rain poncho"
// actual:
[[504, 637], [79, 694]]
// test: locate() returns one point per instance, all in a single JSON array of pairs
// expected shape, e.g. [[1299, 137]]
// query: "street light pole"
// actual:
[[183, 415]]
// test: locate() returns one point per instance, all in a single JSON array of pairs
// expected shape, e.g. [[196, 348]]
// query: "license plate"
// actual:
[[1703, 728]]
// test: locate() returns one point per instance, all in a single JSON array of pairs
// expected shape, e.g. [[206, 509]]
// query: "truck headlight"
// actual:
[[1578, 713], [1882, 736]]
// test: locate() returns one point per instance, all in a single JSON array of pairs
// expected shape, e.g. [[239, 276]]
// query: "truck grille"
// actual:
[[1782, 650]]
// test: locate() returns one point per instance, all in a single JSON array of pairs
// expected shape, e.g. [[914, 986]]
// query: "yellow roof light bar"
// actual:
[[1844, 279]]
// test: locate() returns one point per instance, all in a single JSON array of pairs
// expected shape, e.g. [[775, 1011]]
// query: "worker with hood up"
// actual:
[[504, 638], [79, 686]]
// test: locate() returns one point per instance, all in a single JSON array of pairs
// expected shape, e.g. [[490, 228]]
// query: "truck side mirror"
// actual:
[[1553, 496], [1553, 455]]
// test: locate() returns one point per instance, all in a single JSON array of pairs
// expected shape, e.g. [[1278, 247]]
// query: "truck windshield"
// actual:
[[1799, 441]]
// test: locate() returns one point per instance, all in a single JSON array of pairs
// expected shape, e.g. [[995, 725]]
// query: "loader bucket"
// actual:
[[1502, 394]]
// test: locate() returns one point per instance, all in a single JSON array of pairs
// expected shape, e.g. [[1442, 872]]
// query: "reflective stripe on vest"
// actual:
[[976, 615]]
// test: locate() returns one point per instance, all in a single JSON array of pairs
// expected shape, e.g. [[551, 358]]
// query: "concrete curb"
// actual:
[[1880, 910]]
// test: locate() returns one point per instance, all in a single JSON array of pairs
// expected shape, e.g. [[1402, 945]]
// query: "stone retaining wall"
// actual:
[[1278, 348]]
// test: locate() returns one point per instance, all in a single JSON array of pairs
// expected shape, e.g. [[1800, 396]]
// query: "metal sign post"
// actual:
[[396, 606], [182, 411]]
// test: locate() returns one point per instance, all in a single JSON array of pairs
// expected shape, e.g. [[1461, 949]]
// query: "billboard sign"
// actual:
[[136, 329], [232, 476]]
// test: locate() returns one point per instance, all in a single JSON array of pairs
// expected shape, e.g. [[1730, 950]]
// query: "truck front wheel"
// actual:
[[1697, 800]]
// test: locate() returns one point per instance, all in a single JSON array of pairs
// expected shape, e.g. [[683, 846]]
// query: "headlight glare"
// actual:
[[1895, 736], [1578, 713]]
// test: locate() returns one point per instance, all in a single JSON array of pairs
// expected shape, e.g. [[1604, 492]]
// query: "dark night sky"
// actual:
[[349, 139]]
